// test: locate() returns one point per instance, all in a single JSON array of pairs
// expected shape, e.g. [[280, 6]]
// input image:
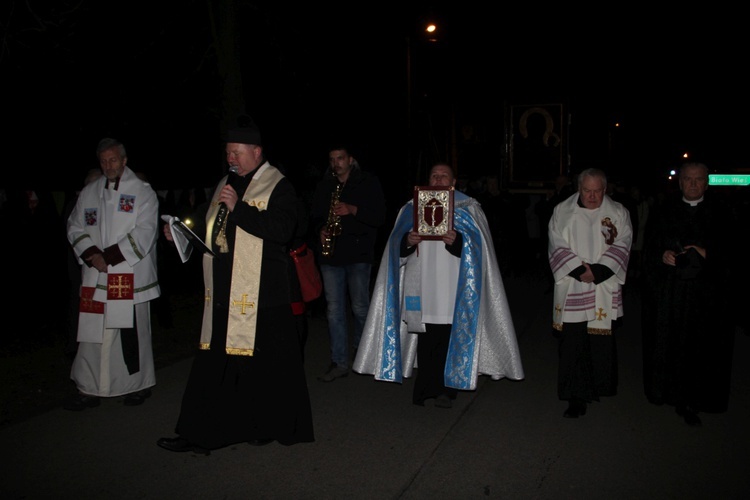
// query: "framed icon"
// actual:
[[433, 211], [537, 146]]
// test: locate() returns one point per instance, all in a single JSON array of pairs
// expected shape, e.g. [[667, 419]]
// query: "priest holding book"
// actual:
[[439, 303], [247, 383]]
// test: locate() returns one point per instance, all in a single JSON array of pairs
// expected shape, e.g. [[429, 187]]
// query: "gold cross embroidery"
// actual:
[[243, 304], [600, 314], [558, 309], [207, 298], [117, 289]]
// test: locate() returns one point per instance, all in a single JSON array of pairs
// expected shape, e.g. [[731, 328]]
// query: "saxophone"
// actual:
[[333, 224]]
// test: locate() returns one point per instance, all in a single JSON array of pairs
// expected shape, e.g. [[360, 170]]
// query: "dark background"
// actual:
[[149, 74]]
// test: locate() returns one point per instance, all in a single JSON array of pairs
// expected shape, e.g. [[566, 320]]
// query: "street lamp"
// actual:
[[427, 31], [431, 29]]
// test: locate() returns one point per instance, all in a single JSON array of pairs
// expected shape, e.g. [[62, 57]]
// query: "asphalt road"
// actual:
[[507, 439]]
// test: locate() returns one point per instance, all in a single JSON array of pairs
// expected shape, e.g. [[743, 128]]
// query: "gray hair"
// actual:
[[694, 164], [109, 143], [593, 172]]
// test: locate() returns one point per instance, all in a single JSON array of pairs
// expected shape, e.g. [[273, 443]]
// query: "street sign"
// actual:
[[728, 180]]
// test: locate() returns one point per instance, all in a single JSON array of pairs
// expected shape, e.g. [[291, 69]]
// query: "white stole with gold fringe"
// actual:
[[246, 268]]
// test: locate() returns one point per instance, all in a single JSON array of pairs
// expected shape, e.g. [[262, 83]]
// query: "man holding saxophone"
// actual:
[[347, 210]]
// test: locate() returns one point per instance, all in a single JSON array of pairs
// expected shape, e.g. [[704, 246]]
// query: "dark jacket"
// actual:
[[356, 243]]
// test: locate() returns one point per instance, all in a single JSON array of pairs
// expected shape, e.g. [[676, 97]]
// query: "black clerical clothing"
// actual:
[[687, 324], [238, 398]]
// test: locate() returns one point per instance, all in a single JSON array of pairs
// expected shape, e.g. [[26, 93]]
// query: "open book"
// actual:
[[184, 238]]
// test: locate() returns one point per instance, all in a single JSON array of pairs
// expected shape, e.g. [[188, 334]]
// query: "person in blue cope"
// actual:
[[589, 248], [439, 305]]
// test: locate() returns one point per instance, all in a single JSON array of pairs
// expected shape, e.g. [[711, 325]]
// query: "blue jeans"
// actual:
[[339, 282]]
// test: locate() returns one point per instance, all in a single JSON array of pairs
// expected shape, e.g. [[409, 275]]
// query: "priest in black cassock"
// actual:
[[687, 319], [247, 383]]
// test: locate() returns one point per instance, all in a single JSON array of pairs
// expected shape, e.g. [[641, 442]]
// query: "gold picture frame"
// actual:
[[538, 137], [433, 211]]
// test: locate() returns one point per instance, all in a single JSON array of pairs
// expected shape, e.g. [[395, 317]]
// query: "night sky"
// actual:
[[145, 72]]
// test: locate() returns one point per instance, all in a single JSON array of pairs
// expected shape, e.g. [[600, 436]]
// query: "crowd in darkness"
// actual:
[[517, 218]]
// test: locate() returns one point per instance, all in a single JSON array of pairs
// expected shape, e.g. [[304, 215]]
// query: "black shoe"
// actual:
[[689, 415], [136, 398], [443, 401], [180, 445], [260, 442], [572, 411], [334, 371], [80, 402], [576, 408]]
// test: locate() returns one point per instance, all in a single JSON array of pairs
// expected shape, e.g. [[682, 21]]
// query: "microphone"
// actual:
[[223, 209], [223, 206], [221, 220]]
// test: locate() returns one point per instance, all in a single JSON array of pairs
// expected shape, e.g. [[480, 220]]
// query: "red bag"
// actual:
[[307, 272]]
